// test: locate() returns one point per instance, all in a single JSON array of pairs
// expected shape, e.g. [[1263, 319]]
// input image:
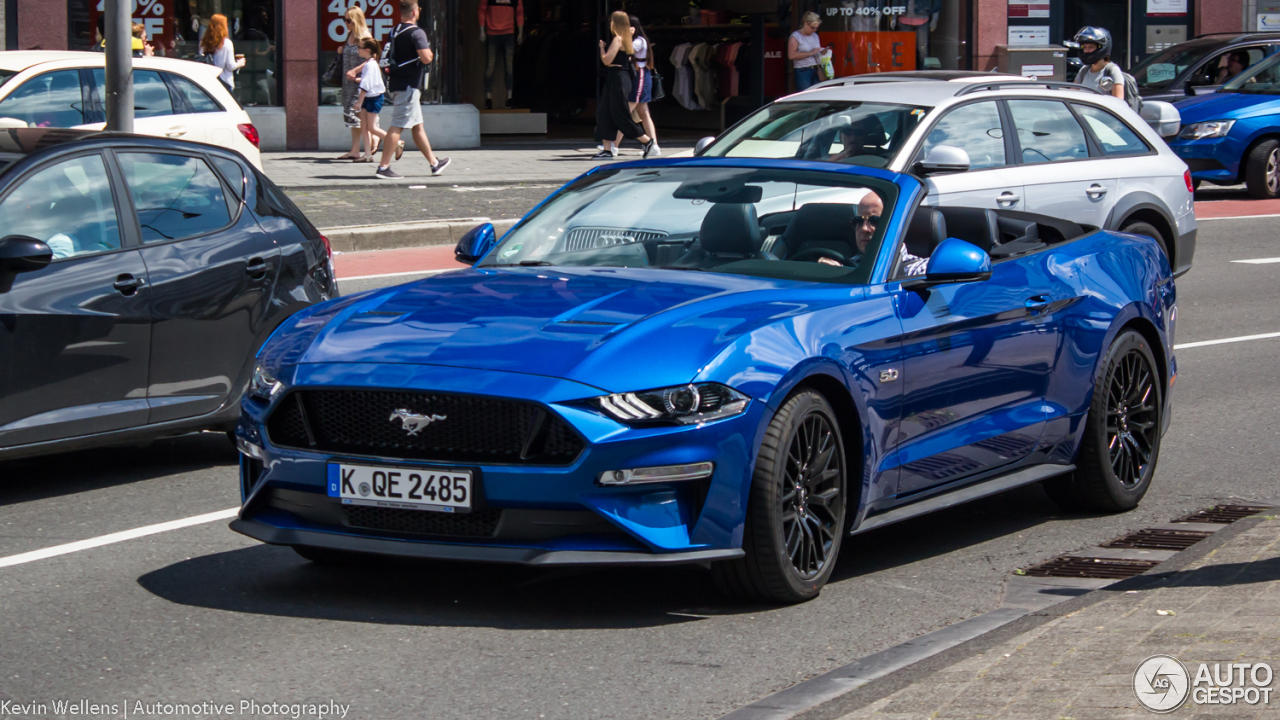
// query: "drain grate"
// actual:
[[1070, 566], [1223, 514], [1159, 539]]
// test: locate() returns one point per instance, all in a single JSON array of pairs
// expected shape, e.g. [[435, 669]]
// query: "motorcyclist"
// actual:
[[1098, 72]]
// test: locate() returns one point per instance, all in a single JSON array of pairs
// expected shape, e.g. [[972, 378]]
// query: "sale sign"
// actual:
[[154, 15], [380, 15]]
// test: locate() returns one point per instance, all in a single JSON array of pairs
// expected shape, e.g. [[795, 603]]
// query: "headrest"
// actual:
[[731, 229], [979, 226], [927, 230], [824, 223]]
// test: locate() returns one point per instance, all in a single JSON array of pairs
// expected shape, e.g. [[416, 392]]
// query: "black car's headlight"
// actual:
[[683, 404], [264, 385]]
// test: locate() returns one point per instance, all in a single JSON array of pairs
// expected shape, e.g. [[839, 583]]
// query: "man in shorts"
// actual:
[[410, 54]]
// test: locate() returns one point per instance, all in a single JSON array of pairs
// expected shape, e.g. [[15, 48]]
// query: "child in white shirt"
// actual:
[[372, 93]]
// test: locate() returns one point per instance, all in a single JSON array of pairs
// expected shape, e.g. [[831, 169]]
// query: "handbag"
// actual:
[[333, 75], [656, 91]]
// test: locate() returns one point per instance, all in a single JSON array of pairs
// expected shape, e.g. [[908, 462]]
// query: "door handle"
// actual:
[[1039, 303], [176, 131], [1008, 198], [128, 285], [257, 267], [1095, 191]]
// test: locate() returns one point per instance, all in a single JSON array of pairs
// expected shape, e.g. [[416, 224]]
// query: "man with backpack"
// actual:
[[1099, 72], [407, 56]]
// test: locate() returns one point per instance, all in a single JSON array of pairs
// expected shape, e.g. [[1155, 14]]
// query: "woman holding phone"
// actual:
[[802, 50]]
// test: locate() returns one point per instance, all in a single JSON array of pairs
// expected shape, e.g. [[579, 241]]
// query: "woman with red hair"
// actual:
[[217, 50]]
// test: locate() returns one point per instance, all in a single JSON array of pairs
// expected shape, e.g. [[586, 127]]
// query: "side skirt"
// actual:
[[993, 486]]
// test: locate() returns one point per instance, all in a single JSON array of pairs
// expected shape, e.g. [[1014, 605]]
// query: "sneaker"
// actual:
[[386, 173], [616, 151], [656, 151], [603, 155], [440, 166], [648, 149], [488, 103]]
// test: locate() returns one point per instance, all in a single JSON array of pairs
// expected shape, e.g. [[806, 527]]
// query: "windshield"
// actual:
[[854, 133], [1159, 70], [784, 224], [6, 74], [1261, 79]]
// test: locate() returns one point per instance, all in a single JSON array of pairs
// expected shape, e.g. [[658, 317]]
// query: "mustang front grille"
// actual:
[[423, 426], [481, 523]]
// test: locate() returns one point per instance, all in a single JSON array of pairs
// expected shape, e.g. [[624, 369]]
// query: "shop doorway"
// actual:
[[1110, 14]]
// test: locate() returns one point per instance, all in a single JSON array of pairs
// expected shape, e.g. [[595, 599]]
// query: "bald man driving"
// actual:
[[870, 208]]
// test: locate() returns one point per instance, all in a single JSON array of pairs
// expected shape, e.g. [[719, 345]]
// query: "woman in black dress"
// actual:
[[613, 115]]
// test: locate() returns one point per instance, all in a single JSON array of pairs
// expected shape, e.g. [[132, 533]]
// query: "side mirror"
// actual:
[[1205, 89], [1163, 117], [19, 253], [953, 261], [943, 159], [477, 243], [702, 144]]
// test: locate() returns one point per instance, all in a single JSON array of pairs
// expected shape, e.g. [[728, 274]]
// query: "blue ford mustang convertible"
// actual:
[[732, 362]]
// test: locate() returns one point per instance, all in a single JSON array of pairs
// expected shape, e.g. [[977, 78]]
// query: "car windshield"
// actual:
[[854, 133], [1260, 79], [784, 224], [1159, 70]]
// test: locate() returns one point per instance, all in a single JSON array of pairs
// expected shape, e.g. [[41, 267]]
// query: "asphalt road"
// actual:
[[204, 614]]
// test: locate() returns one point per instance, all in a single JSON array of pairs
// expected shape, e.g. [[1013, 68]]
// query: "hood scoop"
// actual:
[[376, 317]]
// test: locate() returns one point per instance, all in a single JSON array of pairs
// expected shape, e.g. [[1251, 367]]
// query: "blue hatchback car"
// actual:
[[1233, 135], [726, 361]]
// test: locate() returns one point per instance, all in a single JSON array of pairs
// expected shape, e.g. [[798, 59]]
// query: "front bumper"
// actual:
[[1215, 160], [546, 514]]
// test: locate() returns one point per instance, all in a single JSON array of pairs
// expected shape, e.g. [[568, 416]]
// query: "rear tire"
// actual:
[[796, 508], [1121, 443], [1262, 170]]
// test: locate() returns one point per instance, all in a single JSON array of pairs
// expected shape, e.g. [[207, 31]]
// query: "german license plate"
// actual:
[[433, 489]]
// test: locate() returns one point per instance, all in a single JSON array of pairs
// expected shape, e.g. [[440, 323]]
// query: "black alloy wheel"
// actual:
[[1121, 442], [796, 509]]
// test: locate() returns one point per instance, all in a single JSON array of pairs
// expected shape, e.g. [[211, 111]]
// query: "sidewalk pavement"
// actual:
[[1222, 608], [552, 161]]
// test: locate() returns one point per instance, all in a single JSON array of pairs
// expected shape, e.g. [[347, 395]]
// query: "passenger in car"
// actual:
[[862, 140], [870, 208]]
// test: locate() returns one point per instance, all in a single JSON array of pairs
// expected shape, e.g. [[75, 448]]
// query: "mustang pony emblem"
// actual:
[[413, 423]]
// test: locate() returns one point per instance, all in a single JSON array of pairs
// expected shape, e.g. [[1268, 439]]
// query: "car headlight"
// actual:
[[1211, 129], [683, 404], [264, 385]]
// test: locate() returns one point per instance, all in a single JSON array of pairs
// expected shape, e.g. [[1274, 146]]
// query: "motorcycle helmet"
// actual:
[[1098, 36]]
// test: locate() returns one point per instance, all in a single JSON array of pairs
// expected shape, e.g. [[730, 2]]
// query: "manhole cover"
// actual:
[[1071, 566], [1159, 539], [1223, 514]]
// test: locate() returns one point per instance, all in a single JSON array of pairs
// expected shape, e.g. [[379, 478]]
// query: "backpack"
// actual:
[[1131, 94], [388, 60]]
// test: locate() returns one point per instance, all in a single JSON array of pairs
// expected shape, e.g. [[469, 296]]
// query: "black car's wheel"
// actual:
[[325, 556], [1262, 170], [1121, 443], [796, 510]]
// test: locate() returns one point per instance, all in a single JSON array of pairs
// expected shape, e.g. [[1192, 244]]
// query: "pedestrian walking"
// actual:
[[643, 91], [217, 50], [357, 30], [371, 94], [613, 114], [803, 48], [408, 57]]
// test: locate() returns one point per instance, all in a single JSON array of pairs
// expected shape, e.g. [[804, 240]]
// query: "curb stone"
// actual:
[[359, 238]]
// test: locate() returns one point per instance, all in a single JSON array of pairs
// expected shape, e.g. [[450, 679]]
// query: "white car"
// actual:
[[991, 141], [178, 99]]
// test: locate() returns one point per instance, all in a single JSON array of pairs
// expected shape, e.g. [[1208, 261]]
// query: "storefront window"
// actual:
[[870, 36], [174, 28], [381, 17]]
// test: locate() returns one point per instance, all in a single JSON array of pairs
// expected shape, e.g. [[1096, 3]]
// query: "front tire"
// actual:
[[796, 509], [1262, 170], [1121, 444]]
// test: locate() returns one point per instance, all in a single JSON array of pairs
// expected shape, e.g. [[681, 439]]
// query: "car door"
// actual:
[[75, 335], [977, 359], [195, 106], [211, 269], [993, 180], [1064, 175], [52, 99], [155, 110]]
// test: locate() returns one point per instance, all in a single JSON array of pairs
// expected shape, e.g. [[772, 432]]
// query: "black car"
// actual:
[[1198, 65], [138, 278]]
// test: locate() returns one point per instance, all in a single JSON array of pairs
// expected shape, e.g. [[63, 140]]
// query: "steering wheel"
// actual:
[[820, 252]]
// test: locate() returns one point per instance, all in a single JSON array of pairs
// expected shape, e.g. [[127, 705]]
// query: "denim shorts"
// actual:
[[373, 104]]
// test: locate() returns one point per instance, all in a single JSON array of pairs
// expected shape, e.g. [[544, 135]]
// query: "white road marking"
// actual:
[[113, 538], [1237, 217], [1223, 341], [398, 274], [1258, 261]]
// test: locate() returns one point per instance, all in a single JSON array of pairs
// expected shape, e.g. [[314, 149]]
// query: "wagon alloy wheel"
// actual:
[[795, 515], [1121, 440], [1131, 419], [810, 489]]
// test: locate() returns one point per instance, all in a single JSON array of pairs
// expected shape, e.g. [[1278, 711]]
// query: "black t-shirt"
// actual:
[[406, 69]]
